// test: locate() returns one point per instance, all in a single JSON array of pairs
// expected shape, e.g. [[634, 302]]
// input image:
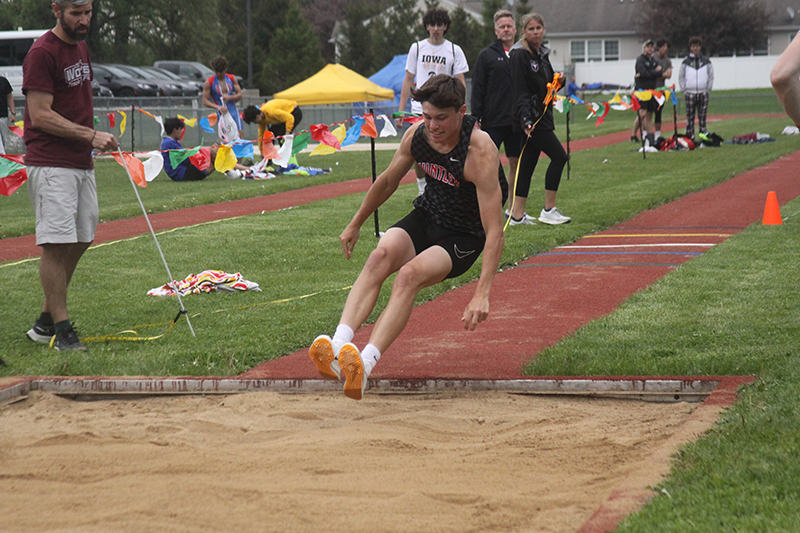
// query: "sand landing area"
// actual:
[[267, 461]]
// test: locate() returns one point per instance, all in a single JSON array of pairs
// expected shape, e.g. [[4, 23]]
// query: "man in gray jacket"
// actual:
[[696, 79]]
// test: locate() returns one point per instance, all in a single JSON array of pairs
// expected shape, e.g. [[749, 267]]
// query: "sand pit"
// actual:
[[449, 462]]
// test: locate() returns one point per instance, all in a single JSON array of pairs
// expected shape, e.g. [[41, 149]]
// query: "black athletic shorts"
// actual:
[[463, 248]]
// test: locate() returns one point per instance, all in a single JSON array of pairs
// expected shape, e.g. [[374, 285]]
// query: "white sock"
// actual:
[[658, 134], [370, 355], [343, 335], [421, 185]]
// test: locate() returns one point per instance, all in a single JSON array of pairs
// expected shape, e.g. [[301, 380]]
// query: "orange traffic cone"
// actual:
[[772, 213]]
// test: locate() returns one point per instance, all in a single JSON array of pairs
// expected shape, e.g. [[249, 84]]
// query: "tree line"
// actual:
[[294, 39]]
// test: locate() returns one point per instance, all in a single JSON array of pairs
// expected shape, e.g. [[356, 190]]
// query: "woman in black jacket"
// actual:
[[530, 73]]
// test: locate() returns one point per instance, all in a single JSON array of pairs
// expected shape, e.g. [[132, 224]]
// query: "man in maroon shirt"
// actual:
[[59, 138]]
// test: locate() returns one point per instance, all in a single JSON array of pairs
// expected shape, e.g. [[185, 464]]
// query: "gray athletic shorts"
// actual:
[[65, 203]]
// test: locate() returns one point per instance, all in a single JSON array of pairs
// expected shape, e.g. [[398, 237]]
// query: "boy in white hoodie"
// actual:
[[696, 79]]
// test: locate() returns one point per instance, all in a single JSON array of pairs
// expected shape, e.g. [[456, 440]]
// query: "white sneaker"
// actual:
[[234, 174], [323, 356], [552, 216], [525, 220], [355, 373]]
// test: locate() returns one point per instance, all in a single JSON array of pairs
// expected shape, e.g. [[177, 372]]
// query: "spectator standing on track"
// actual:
[[531, 71], [459, 213], [662, 49], [59, 138], [493, 98], [7, 112], [696, 79], [221, 92], [648, 73], [427, 58], [785, 78]]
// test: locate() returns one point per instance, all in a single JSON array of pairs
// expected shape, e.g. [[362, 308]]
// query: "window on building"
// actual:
[[594, 50]]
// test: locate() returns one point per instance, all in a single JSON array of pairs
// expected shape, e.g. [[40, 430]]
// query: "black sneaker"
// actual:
[[67, 339], [41, 333]]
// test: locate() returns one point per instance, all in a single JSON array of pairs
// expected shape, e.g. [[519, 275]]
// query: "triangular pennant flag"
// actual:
[[206, 125], [226, 159], [188, 121], [112, 120], [16, 128], [145, 112], [242, 148], [160, 123], [285, 153], [96, 120], [602, 117], [558, 105], [635, 104], [268, 151], [643, 96], [300, 143], [616, 99], [369, 127], [322, 149], [671, 95], [202, 158], [153, 165], [122, 122], [388, 128], [176, 157], [353, 133], [321, 133], [592, 107], [212, 119], [12, 174], [567, 105], [135, 167]]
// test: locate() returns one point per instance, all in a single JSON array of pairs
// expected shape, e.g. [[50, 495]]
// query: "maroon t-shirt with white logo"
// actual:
[[63, 70]]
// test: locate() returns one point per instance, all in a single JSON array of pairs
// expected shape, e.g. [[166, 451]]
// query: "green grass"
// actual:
[[732, 310], [162, 194], [295, 252]]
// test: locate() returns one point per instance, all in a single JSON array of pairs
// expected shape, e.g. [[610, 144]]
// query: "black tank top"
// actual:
[[449, 200]]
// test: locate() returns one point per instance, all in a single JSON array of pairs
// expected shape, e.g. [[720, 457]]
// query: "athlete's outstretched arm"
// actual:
[[481, 168], [785, 78], [380, 191]]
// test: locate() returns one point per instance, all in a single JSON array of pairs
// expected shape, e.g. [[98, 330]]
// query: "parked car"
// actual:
[[190, 70], [121, 84], [165, 88], [190, 87], [99, 90]]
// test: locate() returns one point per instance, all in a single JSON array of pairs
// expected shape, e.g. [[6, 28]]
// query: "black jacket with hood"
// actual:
[[530, 74], [491, 87]]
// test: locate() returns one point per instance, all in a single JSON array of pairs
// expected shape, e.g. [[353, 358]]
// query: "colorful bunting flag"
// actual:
[[201, 159], [353, 133], [153, 165], [122, 123], [12, 173], [369, 127], [188, 121], [134, 166], [112, 121], [300, 143], [388, 128], [321, 133], [285, 153], [324, 149], [226, 159], [206, 125], [602, 117]]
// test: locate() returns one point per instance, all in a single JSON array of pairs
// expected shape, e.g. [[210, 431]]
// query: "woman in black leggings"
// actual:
[[530, 73]]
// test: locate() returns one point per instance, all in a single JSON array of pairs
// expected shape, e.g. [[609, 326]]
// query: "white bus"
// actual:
[[14, 46]]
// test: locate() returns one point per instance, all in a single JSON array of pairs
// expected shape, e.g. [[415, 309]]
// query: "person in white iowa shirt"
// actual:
[[427, 58]]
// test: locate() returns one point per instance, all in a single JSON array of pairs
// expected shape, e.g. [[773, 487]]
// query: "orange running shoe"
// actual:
[[321, 353], [355, 375]]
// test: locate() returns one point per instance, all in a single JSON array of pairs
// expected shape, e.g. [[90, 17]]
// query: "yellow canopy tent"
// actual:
[[335, 84]]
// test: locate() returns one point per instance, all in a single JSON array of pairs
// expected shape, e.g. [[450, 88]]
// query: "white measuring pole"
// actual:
[[153, 233]]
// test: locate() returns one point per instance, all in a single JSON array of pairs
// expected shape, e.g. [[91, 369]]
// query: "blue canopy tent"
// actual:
[[390, 77]]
